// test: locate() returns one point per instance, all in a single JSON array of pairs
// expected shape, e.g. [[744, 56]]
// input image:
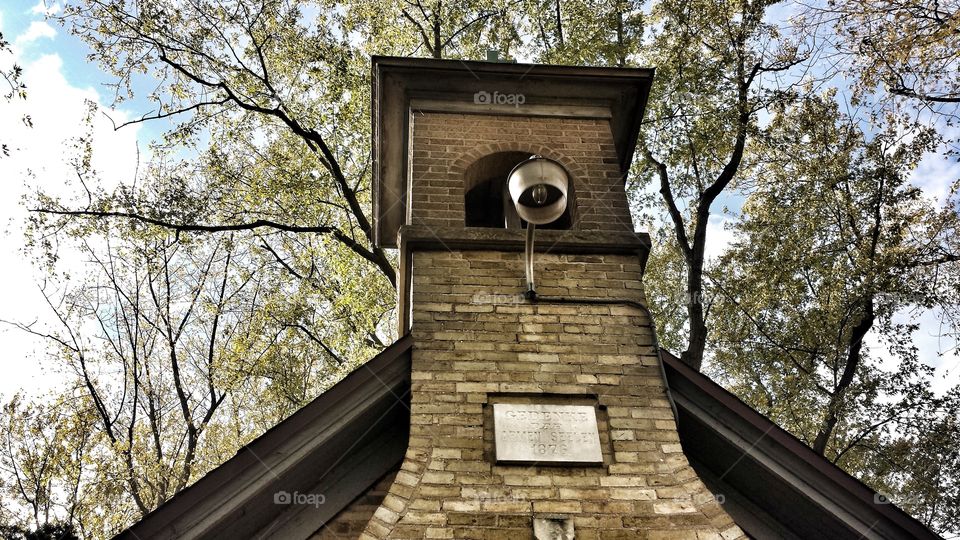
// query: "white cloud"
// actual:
[[43, 9], [935, 175], [719, 236], [37, 30], [39, 158]]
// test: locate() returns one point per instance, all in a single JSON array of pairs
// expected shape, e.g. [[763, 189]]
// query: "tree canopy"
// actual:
[[13, 87], [235, 278]]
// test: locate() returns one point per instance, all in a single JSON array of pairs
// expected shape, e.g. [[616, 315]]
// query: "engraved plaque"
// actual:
[[546, 433]]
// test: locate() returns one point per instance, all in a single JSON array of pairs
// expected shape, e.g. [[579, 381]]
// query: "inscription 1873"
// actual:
[[546, 433]]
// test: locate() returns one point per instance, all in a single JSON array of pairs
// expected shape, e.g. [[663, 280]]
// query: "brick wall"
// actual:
[[478, 342], [446, 144], [351, 521]]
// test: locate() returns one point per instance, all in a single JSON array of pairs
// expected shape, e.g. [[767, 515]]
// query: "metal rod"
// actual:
[[528, 252]]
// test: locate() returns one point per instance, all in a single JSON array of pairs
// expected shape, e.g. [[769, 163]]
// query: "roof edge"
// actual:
[[839, 478], [382, 63], [216, 480]]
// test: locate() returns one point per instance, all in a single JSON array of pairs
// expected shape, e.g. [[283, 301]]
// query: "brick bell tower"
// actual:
[[532, 415]]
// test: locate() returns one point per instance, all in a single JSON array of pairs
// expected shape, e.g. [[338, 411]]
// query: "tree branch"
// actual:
[[667, 193], [376, 258]]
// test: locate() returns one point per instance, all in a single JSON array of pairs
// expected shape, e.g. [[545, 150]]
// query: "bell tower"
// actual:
[[538, 403]]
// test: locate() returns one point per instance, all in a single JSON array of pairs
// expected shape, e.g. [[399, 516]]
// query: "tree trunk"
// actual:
[[437, 44], [559, 22], [855, 344], [621, 50], [697, 343]]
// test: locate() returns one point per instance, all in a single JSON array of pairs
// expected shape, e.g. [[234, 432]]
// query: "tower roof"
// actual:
[[403, 86]]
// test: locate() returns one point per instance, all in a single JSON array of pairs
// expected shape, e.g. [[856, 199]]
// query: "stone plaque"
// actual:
[[565, 434]]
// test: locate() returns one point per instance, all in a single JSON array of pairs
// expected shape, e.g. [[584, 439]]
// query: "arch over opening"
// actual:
[[486, 199]]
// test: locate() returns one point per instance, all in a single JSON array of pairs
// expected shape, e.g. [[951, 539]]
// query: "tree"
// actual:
[[901, 58], [41, 454], [58, 531], [910, 49], [179, 347], [15, 88], [284, 105], [717, 67], [834, 243], [437, 29], [165, 341], [587, 32], [241, 68]]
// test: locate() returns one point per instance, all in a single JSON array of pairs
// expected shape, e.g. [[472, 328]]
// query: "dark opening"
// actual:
[[487, 202]]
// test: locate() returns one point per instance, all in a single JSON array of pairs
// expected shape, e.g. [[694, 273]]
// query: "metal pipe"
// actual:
[[528, 253]]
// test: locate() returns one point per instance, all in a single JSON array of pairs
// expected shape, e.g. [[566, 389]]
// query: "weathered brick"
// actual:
[[674, 507], [562, 507]]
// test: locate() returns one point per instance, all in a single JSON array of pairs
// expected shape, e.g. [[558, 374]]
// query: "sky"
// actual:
[[59, 83]]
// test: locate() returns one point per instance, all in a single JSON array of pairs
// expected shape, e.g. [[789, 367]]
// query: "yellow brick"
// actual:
[[562, 507]]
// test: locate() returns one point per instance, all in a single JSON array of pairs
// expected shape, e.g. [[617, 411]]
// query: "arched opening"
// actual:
[[487, 202]]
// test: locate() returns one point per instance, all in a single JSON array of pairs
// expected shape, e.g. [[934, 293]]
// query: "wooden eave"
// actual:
[[772, 484]]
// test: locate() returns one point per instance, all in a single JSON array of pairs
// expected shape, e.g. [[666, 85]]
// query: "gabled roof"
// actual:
[[773, 485], [338, 446]]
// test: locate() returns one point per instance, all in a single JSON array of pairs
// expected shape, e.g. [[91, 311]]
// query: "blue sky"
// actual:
[[59, 81], [24, 20]]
